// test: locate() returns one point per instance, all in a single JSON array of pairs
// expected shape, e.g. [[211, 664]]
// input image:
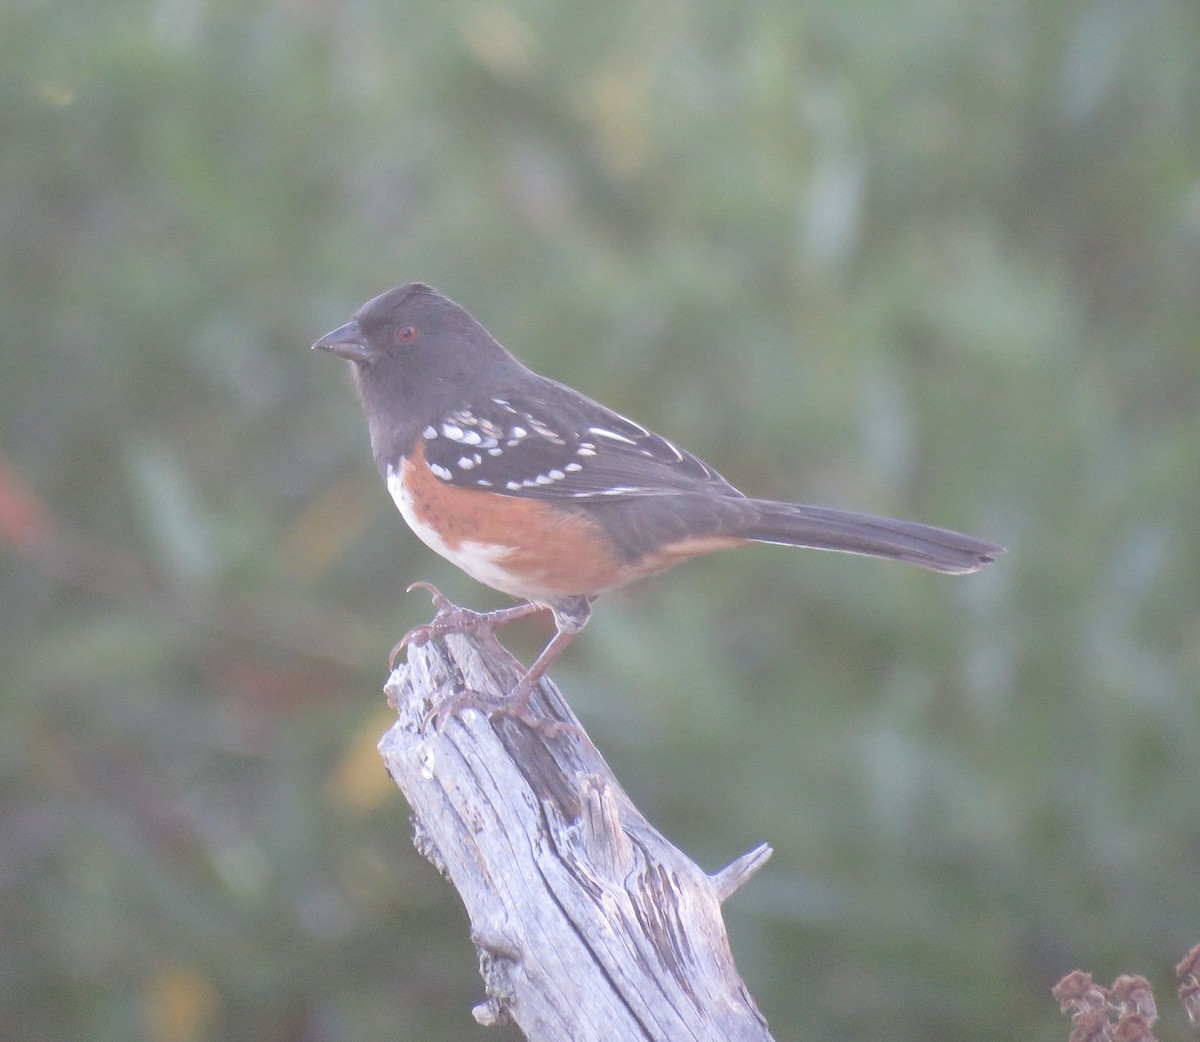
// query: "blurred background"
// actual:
[[939, 260]]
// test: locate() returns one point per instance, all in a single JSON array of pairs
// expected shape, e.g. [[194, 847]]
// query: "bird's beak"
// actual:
[[346, 342]]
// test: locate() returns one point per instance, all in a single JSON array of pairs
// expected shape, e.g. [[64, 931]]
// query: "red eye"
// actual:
[[406, 334]]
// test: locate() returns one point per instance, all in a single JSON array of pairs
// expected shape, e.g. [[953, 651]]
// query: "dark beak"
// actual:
[[346, 342]]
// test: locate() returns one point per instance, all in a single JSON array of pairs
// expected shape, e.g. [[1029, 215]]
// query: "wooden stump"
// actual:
[[589, 924]]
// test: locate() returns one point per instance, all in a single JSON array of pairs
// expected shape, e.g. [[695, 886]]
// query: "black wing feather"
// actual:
[[550, 442]]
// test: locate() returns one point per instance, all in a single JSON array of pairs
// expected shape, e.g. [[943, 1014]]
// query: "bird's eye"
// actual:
[[406, 334]]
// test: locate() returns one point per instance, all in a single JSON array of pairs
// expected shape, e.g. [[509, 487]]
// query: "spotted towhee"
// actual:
[[539, 492]]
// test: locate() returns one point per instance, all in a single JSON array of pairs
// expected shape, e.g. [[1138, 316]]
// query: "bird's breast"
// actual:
[[523, 547]]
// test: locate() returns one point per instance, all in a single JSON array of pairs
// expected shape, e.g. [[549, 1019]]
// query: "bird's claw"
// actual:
[[438, 716], [514, 708], [440, 600], [450, 618]]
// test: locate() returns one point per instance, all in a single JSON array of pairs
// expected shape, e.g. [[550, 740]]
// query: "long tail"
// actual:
[[824, 529]]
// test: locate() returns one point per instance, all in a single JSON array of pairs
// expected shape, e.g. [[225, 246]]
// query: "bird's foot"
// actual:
[[450, 618], [514, 705], [490, 706]]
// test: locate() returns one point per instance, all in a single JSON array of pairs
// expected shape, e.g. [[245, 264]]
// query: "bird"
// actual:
[[536, 490]]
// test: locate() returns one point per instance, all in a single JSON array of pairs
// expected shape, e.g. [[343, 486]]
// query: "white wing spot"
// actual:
[[495, 452], [429, 433], [673, 448], [452, 432], [440, 472], [544, 431], [602, 432], [466, 462], [512, 486], [556, 475], [571, 468]]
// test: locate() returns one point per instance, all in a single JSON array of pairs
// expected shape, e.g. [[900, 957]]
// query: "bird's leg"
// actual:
[[450, 618], [518, 698], [514, 704], [570, 616]]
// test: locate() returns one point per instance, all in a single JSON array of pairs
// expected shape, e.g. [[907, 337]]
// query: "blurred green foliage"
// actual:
[[933, 259]]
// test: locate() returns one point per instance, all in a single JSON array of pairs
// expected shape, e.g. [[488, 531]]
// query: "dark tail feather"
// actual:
[[824, 529]]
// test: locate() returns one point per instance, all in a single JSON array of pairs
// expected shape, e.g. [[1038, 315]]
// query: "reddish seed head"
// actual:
[[1092, 1026], [1189, 985], [1078, 992], [1132, 994], [1189, 994], [1189, 965], [1133, 1027]]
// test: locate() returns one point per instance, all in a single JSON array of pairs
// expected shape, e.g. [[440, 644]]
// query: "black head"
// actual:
[[411, 325], [415, 354]]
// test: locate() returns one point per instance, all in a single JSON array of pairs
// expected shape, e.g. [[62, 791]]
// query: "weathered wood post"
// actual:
[[589, 924]]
